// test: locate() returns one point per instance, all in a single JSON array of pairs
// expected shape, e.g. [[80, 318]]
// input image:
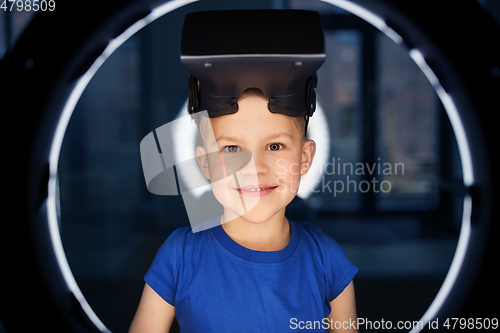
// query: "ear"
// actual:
[[308, 151], [201, 157]]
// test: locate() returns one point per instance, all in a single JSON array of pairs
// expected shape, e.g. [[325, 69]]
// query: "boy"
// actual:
[[255, 271]]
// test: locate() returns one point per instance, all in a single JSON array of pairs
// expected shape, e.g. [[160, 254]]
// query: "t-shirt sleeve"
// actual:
[[343, 271], [162, 276], [339, 269]]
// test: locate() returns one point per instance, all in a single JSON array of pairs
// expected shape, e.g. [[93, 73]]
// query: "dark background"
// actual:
[[379, 108]]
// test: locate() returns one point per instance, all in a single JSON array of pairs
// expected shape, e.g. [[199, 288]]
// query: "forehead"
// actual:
[[254, 120]]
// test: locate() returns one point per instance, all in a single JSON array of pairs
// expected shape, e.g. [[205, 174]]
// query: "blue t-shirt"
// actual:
[[217, 285]]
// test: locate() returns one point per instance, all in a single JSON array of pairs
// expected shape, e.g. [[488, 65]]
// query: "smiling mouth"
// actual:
[[252, 191], [255, 189]]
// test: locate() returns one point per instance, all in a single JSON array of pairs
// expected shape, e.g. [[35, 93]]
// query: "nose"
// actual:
[[258, 165]]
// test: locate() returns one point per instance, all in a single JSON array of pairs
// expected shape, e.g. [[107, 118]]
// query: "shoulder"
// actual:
[[315, 235], [180, 245], [183, 239], [166, 256], [175, 239], [163, 274], [339, 270]]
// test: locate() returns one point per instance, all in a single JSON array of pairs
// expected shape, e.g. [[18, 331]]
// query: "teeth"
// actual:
[[254, 189]]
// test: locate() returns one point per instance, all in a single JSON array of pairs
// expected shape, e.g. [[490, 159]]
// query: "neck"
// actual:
[[271, 235]]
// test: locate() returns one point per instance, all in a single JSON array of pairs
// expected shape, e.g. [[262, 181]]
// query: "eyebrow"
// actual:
[[269, 137], [227, 138]]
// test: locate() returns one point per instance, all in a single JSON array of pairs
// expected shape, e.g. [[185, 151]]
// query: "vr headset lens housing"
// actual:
[[277, 51]]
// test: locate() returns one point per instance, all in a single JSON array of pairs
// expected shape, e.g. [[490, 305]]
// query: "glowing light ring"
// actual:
[[463, 147], [353, 8], [55, 151]]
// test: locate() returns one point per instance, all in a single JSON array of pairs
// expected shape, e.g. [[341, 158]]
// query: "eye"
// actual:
[[275, 146], [231, 149]]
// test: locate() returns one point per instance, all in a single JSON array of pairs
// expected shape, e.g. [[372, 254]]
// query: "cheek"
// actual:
[[287, 167], [288, 173], [222, 189], [295, 169], [216, 167], [222, 192]]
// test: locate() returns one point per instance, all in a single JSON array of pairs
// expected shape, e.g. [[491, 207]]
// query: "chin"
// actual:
[[257, 215], [257, 209]]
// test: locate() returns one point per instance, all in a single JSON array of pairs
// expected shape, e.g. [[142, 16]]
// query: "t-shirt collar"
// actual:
[[258, 256]]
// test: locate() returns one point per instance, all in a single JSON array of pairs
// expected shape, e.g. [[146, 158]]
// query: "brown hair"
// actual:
[[300, 122]]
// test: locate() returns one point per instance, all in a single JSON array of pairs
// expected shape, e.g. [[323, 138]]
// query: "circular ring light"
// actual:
[[463, 146], [42, 214]]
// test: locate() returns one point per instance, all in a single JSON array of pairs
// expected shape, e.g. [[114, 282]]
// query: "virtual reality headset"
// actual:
[[229, 51]]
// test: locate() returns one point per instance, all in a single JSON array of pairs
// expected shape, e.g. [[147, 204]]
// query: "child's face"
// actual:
[[280, 155]]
